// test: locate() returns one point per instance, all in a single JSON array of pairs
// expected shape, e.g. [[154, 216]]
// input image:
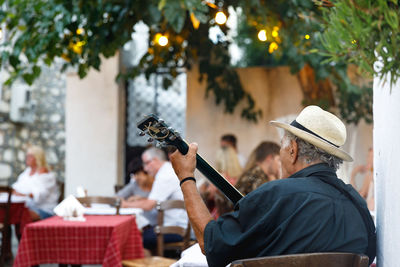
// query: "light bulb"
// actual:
[[80, 31], [307, 36], [262, 35], [220, 17], [163, 40], [272, 47]]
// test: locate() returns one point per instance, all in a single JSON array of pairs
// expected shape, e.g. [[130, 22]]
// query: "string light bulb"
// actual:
[[77, 47], [274, 32], [80, 31], [161, 40], [272, 47], [262, 35], [220, 18], [307, 36]]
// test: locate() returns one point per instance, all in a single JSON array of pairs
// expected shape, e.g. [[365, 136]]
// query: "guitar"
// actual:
[[159, 131]]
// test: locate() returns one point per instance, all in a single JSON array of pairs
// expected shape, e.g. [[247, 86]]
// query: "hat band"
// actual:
[[301, 127]]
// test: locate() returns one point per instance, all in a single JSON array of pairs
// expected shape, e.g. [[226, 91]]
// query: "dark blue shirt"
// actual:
[[300, 214]]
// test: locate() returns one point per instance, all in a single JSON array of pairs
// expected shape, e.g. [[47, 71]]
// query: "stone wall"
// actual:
[[47, 130]]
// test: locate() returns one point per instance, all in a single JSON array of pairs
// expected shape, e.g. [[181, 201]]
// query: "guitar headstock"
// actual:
[[159, 131]]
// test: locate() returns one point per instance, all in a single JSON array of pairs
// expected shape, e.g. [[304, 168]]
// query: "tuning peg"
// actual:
[[171, 129], [164, 131], [172, 137], [142, 133], [161, 121], [159, 145], [150, 140]]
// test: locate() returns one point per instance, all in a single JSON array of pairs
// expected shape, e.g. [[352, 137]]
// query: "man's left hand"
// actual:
[[184, 165]]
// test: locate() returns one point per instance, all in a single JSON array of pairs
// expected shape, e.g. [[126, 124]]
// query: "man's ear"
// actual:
[[294, 149]]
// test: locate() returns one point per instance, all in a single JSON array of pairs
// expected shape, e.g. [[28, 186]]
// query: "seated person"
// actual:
[[227, 164], [38, 183], [140, 184], [367, 188], [165, 187], [230, 140], [264, 165], [311, 210], [138, 188]]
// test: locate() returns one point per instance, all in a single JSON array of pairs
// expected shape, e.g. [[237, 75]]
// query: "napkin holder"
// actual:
[[70, 209]]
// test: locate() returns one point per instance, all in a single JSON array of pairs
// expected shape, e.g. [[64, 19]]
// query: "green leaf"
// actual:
[[392, 18], [28, 78], [203, 18], [161, 4], [175, 15], [36, 71], [14, 61], [155, 13]]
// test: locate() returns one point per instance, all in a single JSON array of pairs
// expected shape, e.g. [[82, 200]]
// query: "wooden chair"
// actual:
[[112, 201], [159, 260], [161, 230], [118, 187], [326, 259], [151, 261], [5, 228], [61, 187]]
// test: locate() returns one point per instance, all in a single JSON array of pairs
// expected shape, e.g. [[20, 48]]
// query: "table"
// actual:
[[104, 209], [105, 240], [19, 216]]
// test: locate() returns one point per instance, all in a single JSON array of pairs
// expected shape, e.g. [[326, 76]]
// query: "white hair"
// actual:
[[310, 153], [154, 152]]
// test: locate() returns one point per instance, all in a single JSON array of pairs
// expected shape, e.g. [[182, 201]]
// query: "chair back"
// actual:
[[326, 259], [118, 187], [112, 201], [61, 187], [160, 229], [5, 223]]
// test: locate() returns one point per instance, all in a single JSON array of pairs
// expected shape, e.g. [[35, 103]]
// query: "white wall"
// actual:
[[276, 92], [386, 171], [93, 131]]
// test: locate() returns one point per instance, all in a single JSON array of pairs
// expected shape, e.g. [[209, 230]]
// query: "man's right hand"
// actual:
[[184, 165]]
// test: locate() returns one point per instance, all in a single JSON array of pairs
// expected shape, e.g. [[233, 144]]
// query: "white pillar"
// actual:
[[387, 171], [94, 145]]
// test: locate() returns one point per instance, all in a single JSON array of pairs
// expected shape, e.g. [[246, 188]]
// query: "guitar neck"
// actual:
[[213, 175], [158, 130], [218, 180]]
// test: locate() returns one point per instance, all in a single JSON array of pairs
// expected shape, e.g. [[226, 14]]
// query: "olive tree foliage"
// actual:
[[82, 32], [364, 32]]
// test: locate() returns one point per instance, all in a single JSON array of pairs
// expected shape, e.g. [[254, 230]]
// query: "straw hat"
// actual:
[[320, 128]]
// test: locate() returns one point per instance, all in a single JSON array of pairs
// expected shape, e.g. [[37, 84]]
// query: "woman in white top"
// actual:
[[37, 183]]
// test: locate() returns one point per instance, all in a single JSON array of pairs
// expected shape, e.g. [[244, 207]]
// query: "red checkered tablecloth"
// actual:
[[19, 214], [102, 240]]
